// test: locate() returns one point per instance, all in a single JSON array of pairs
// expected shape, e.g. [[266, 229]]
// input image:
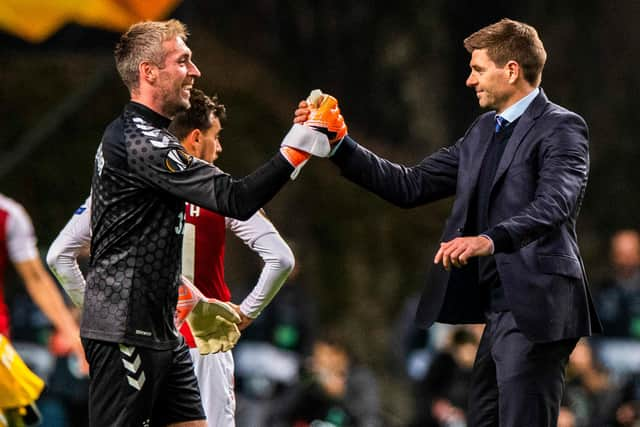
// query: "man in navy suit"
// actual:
[[508, 255]]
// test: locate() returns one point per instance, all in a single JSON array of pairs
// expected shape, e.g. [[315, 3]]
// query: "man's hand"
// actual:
[[245, 320], [458, 251], [214, 326], [301, 114], [213, 322], [324, 115], [317, 128]]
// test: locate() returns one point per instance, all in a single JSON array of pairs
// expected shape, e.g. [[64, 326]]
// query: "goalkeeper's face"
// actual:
[[176, 77], [210, 147]]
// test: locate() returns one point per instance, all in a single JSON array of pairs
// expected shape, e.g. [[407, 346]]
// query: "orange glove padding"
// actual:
[[294, 156], [188, 297], [325, 116]]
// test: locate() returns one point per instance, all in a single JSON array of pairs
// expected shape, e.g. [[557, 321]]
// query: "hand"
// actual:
[[245, 320], [301, 114], [321, 114], [457, 252], [214, 326], [78, 352], [300, 143], [324, 115]]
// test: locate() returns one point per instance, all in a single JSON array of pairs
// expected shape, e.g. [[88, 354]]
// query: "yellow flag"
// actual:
[[37, 20], [18, 385]]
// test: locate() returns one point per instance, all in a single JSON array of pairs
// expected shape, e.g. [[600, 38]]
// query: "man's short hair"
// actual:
[[198, 115], [143, 42], [508, 40]]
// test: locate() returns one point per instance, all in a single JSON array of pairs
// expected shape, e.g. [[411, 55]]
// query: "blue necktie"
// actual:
[[501, 123]]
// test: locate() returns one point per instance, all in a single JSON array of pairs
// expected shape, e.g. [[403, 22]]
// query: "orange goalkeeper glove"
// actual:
[[325, 116], [213, 323], [300, 143], [296, 157]]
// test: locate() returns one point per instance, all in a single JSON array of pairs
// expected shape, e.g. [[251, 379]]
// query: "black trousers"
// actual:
[[516, 382]]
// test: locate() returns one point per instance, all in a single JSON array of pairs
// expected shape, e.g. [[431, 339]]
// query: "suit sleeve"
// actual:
[[434, 178], [562, 177]]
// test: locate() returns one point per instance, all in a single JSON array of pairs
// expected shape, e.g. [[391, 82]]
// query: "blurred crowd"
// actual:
[[292, 373]]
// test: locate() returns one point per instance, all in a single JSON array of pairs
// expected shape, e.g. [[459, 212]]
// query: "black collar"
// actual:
[[148, 114]]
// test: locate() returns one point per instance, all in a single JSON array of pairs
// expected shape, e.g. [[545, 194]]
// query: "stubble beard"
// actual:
[[174, 103]]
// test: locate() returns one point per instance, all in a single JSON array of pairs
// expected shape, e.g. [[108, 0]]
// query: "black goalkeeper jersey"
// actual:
[[142, 178]]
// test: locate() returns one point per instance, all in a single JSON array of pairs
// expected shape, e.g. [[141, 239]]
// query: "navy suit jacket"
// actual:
[[534, 201]]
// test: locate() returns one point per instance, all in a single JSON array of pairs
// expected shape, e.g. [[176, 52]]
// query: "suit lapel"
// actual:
[[526, 122], [485, 131]]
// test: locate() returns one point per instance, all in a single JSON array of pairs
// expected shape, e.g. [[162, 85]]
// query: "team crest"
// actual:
[[177, 160]]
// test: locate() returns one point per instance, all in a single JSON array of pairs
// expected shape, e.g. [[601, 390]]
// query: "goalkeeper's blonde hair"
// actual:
[[143, 42]]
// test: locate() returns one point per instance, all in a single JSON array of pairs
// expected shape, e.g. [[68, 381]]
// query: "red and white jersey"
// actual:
[[17, 244], [203, 251], [203, 248]]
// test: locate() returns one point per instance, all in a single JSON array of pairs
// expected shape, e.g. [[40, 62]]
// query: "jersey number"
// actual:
[[180, 227]]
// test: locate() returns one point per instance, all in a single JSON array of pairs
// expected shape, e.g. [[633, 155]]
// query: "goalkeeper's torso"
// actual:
[[132, 282]]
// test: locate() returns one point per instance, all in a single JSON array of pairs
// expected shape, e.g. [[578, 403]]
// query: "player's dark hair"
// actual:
[[508, 40], [198, 115]]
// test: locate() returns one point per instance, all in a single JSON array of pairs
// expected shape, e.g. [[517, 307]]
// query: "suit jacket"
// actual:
[[534, 201]]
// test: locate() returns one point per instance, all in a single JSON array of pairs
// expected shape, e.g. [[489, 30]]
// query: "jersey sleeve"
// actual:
[[63, 253], [164, 164], [259, 234], [21, 237]]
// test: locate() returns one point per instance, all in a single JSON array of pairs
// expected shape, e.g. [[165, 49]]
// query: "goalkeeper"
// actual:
[[212, 328]]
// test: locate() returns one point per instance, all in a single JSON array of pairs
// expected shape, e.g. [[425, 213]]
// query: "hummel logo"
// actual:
[[142, 124], [126, 349], [161, 144], [137, 384], [132, 367], [152, 133]]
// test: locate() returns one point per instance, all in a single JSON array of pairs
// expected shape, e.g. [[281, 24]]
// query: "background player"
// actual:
[[198, 129], [18, 245]]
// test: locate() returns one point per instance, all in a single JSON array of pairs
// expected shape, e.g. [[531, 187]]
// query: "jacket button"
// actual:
[[460, 229]]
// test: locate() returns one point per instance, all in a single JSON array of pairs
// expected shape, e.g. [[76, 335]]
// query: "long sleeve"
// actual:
[[259, 234], [63, 253]]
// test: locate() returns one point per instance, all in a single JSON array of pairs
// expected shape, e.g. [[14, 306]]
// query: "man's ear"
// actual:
[[196, 134], [513, 71], [192, 142], [148, 71]]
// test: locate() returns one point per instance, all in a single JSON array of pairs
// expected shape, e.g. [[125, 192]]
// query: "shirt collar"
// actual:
[[148, 114], [516, 110]]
